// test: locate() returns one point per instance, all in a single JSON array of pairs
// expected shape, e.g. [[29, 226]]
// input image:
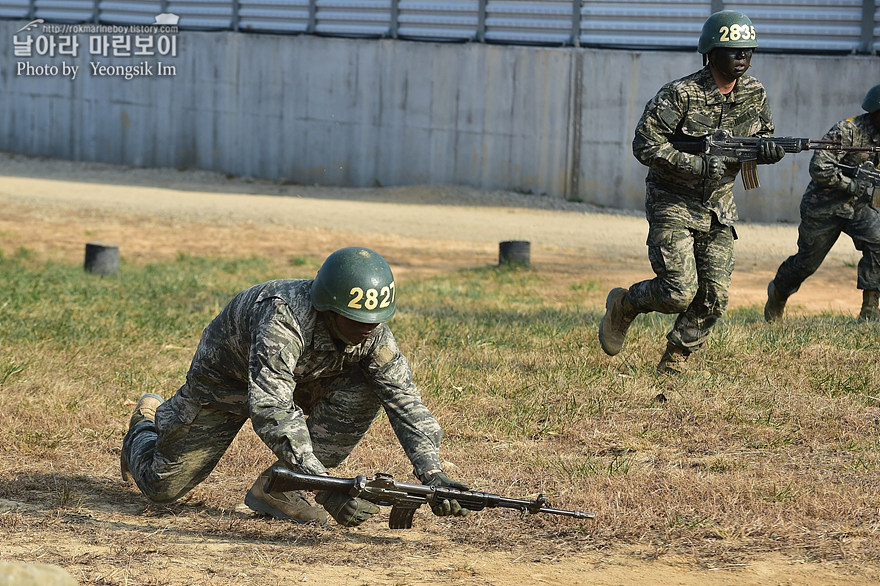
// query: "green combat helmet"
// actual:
[[727, 28], [872, 100], [357, 283]]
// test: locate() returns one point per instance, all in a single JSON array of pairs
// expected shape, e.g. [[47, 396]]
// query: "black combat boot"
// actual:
[[775, 303]]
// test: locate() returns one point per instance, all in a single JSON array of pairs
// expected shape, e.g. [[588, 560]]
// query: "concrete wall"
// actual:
[[556, 121]]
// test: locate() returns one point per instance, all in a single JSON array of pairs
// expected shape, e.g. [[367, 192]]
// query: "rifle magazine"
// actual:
[[401, 516], [749, 171]]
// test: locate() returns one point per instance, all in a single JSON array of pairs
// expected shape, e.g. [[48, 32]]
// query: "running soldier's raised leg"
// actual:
[[671, 252], [713, 256], [816, 237]]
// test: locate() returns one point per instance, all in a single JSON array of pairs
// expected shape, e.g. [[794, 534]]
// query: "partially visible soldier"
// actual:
[[689, 198], [833, 203], [311, 363]]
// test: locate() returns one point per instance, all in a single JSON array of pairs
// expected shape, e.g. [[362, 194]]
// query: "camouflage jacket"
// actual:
[[826, 194], [268, 339], [689, 109]]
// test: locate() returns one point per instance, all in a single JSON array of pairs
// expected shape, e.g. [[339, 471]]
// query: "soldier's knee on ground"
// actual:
[[163, 498]]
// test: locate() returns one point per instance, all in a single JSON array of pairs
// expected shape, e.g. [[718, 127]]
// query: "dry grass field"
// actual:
[[761, 465]]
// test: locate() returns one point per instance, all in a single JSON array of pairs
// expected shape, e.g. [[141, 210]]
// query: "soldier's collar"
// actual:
[[322, 339], [326, 340], [713, 94]]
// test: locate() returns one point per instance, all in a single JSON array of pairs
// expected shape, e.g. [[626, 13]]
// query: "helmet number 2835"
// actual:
[[737, 32], [371, 298]]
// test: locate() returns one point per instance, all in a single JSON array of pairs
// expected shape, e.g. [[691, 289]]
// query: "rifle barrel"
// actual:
[[567, 513], [836, 146]]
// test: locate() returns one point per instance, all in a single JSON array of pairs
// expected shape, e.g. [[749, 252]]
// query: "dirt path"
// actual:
[[154, 211], [153, 214]]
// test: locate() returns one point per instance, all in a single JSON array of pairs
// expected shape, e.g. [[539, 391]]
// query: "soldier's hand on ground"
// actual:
[[347, 511], [709, 166], [446, 507], [769, 152]]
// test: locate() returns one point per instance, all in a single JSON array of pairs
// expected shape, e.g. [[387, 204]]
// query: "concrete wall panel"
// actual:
[[347, 112]]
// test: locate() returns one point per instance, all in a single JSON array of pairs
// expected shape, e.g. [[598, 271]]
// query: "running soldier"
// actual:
[[833, 203], [689, 198], [311, 363]]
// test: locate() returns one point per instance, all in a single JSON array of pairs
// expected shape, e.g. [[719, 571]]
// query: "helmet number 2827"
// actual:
[[371, 298], [737, 32]]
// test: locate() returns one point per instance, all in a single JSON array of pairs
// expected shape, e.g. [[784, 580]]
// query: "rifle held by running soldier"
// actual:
[[404, 498], [869, 174], [744, 149]]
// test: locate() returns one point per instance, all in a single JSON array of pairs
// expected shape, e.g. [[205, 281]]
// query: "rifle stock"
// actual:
[[404, 498]]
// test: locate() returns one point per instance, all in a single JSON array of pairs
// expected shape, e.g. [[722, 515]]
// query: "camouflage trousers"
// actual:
[[693, 269], [170, 456], [816, 237]]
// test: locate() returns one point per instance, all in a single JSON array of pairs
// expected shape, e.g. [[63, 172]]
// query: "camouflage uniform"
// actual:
[[269, 356], [691, 234], [827, 210]]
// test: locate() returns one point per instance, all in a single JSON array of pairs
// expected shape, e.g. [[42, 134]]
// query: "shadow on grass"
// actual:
[[93, 504]]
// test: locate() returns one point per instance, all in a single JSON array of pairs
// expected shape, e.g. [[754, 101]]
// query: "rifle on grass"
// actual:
[[404, 498], [744, 149], [869, 174]]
